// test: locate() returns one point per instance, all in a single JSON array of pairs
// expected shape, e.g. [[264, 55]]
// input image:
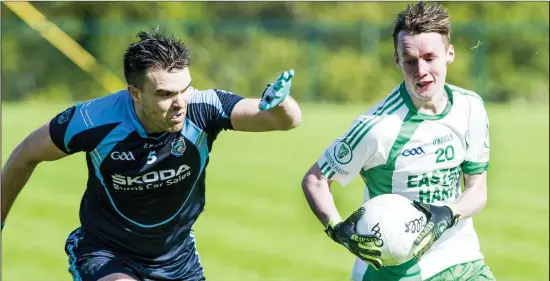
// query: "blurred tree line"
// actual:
[[341, 51]]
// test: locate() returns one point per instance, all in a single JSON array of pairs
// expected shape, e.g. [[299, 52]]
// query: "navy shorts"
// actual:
[[88, 262]]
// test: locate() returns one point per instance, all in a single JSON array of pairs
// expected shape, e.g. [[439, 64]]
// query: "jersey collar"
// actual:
[[405, 96]]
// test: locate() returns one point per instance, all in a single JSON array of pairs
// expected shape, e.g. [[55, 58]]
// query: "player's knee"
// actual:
[[117, 277]]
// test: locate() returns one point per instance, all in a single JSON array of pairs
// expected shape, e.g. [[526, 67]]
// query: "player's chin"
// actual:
[[423, 94], [174, 128]]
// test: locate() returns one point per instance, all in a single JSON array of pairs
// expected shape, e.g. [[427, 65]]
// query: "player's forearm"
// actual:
[[15, 175], [320, 200], [474, 197], [287, 114]]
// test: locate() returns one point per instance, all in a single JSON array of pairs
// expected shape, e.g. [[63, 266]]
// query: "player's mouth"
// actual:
[[178, 118], [424, 85]]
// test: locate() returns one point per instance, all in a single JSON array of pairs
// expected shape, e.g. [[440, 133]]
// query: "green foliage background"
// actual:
[[341, 51]]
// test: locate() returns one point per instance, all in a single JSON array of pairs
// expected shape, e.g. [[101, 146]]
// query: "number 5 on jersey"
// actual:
[[152, 157]]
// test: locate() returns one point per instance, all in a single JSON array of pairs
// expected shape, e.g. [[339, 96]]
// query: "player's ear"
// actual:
[[450, 54], [134, 92]]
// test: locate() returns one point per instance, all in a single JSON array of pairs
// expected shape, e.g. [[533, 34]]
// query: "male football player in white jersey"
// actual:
[[416, 142]]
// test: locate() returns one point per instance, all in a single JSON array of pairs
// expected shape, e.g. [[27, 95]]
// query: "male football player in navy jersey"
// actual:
[[146, 150]]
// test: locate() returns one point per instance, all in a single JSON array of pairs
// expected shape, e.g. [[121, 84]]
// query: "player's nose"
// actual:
[[421, 68], [180, 101]]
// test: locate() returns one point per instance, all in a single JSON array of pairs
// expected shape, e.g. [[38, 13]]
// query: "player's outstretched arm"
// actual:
[[37, 147], [276, 110]]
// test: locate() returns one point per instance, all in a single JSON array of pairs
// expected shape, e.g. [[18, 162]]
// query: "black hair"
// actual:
[[154, 50]]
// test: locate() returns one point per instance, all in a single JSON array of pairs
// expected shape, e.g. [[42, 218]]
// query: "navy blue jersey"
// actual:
[[144, 192]]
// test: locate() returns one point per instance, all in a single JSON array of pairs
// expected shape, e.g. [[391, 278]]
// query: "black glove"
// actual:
[[361, 245], [439, 219]]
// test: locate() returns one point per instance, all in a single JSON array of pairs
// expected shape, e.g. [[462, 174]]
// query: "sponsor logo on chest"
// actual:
[[151, 180], [442, 139]]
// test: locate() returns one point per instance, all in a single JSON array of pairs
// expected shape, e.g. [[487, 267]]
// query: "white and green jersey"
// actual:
[[398, 150]]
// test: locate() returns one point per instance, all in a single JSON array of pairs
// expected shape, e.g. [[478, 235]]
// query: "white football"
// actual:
[[397, 222]]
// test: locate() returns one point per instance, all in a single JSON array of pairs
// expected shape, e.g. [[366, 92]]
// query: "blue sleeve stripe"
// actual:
[[228, 101], [209, 97], [76, 125], [109, 142], [95, 113], [85, 108]]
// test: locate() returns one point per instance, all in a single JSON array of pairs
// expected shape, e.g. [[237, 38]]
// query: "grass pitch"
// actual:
[[257, 225]]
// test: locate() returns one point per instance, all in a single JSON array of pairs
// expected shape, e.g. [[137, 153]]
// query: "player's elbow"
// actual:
[[288, 115], [309, 187], [313, 180], [481, 196], [292, 120], [306, 182], [19, 162], [22, 157]]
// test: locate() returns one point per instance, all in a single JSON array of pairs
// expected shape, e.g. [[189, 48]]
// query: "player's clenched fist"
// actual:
[[277, 92], [361, 245]]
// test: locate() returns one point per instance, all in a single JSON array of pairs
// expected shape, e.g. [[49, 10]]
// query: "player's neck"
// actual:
[[144, 121], [436, 105]]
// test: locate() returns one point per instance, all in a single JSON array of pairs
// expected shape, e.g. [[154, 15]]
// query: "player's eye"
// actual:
[[165, 94], [410, 62]]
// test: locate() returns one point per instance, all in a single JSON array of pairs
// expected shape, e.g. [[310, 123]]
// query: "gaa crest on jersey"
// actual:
[[178, 146], [343, 152]]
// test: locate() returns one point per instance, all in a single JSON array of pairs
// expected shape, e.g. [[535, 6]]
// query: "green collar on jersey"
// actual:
[[405, 96]]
